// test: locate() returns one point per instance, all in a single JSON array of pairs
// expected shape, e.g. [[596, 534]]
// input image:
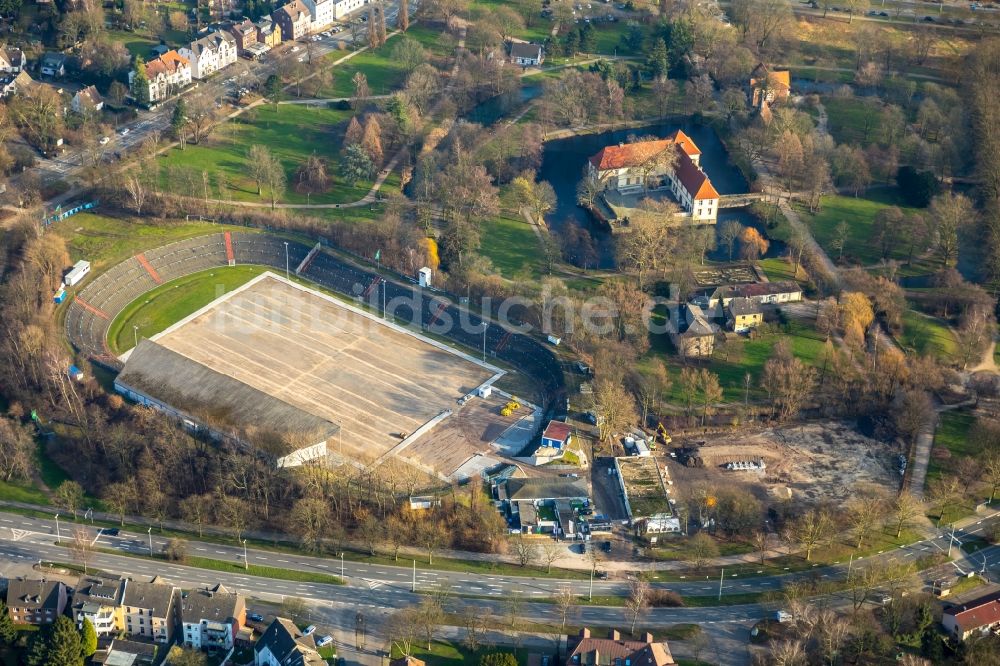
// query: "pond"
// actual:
[[563, 162]]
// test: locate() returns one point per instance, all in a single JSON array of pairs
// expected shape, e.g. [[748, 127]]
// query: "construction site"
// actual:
[[366, 388], [810, 463]]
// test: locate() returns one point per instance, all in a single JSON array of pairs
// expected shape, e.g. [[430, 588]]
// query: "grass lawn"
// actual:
[[779, 269], [291, 133], [104, 241], [158, 309], [952, 436], [443, 653], [384, 74], [927, 335], [859, 214], [732, 361], [512, 246], [16, 492]]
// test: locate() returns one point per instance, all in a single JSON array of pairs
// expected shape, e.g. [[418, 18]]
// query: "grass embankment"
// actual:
[[951, 444], [160, 308], [927, 335], [291, 133], [859, 215]]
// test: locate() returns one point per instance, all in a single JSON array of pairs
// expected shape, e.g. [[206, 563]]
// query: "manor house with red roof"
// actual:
[[631, 168]]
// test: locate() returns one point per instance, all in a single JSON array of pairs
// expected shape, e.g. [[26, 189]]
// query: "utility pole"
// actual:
[[722, 577]]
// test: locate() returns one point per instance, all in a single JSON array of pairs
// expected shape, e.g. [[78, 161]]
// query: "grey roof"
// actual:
[[211, 42], [525, 50], [743, 306], [520, 490], [156, 596], [33, 594], [288, 645], [695, 324], [215, 604], [53, 59], [219, 401], [100, 589]]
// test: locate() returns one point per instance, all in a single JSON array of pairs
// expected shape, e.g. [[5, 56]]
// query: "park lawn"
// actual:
[[608, 39], [951, 435], [137, 45], [852, 119], [859, 214], [158, 309], [430, 38], [734, 360], [291, 133], [779, 269], [17, 492], [444, 653], [510, 243], [384, 74], [927, 335], [104, 241]]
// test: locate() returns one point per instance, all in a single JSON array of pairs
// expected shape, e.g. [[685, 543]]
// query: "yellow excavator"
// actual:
[[512, 406], [662, 435]]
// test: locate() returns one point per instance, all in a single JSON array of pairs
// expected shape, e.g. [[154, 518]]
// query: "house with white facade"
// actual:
[[321, 12], [526, 54], [211, 53], [98, 598], [148, 610], [283, 644], [167, 75], [12, 60], [342, 8], [86, 101], [211, 618], [663, 164]]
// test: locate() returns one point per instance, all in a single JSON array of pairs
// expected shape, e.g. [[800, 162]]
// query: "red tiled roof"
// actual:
[[557, 430], [694, 179], [978, 616], [639, 653], [634, 154], [166, 63]]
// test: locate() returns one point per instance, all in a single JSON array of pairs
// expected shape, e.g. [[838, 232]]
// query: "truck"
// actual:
[[60, 296]]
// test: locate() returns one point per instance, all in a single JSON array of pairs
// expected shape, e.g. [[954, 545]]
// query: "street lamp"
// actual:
[[341, 565], [58, 537], [246, 560], [135, 332], [150, 533], [286, 260], [486, 326]]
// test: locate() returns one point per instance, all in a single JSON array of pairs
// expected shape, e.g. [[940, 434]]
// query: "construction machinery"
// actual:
[[661, 434], [512, 406]]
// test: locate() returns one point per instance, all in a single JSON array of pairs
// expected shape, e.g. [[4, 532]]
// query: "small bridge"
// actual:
[[739, 200]]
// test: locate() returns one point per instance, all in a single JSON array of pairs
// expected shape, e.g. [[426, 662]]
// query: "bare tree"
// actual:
[[903, 510], [565, 602], [550, 553], [136, 191], [812, 529], [637, 602], [525, 550], [82, 547]]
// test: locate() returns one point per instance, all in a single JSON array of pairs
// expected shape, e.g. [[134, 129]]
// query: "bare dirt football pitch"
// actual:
[[305, 348]]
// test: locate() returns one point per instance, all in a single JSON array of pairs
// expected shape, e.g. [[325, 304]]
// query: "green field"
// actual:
[[927, 335], [779, 269], [859, 214], [156, 310], [104, 241], [291, 133], [852, 119], [510, 243], [384, 74], [952, 435]]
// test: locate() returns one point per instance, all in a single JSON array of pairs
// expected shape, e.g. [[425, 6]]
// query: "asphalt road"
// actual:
[[22, 535]]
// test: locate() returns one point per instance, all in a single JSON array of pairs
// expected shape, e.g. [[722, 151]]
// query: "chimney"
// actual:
[[614, 635], [585, 633], [647, 637]]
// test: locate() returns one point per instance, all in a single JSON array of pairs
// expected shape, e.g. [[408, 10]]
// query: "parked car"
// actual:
[[309, 630], [602, 574], [323, 641], [104, 140], [606, 546], [256, 617]]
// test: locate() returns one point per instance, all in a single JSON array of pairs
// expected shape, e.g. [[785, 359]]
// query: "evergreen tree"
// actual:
[[356, 165], [89, 640], [178, 120], [588, 38], [58, 645], [273, 90], [140, 82], [571, 42], [8, 634], [658, 59]]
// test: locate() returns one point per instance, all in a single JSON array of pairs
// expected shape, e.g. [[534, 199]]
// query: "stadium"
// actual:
[[304, 375]]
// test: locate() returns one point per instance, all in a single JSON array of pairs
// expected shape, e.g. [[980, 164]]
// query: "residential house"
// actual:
[[294, 19], [114, 652], [321, 12], [663, 164], [12, 60], [245, 34], [761, 293], [212, 617], [978, 616], [407, 661], [53, 64], [424, 502], [557, 435], [210, 54], [149, 610], [768, 86], [586, 649], [268, 32], [742, 314], [167, 75], [87, 101], [11, 84], [282, 644], [526, 54], [344, 7], [34, 601], [98, 598], [690, 331], [544, 504]]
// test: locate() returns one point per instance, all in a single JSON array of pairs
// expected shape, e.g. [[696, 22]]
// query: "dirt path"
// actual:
[[987, 364]]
